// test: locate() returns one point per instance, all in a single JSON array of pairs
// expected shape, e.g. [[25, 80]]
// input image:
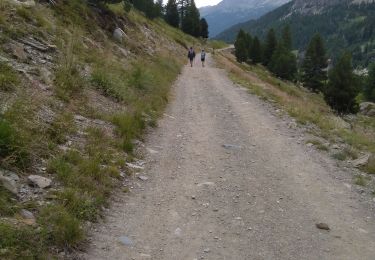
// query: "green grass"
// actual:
[[360, 180], [7, 206], [8, 77], [88, 171], [318, 144], [21, 242], [59, 227], [370, 167], [215, 44]]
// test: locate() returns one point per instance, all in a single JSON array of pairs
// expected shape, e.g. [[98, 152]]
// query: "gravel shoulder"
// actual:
[[227, 179]]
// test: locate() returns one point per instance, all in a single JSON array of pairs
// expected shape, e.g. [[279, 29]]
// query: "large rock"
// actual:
[[9, 180], [119, 35], [40, 181], [367, 108], [361, 161]]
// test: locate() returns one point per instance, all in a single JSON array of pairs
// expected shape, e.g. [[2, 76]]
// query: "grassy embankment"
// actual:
[[91, 77], [356, 133]]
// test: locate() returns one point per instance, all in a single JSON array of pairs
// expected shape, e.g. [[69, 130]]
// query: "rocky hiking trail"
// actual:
[[225, 178]]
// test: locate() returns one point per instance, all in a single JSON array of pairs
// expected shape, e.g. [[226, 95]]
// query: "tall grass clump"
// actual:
[[68, 79], [21, 242], [8, 77]]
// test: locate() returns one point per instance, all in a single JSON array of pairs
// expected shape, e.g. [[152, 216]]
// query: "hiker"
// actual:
[[203, 57], [191, 56]]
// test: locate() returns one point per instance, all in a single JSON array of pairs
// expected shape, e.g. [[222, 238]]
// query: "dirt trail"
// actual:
[[228, 180]]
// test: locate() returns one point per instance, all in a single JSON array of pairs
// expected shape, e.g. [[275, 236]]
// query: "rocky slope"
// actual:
[[228, 13], [78, 86]]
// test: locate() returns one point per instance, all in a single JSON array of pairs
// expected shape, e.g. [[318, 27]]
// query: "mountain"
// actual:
[[230, 12], [344, 24]]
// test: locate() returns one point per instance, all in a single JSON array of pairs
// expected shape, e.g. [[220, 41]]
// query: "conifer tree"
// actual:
[[370, 84], [241, 47], [283, 63], [313, 73], [342, 88], [286, 38], [204, 28], [191, 19], [269, 46], [255, 51], [172, 15]]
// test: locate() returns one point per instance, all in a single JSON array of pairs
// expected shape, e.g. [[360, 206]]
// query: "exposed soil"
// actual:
[[227, 179]]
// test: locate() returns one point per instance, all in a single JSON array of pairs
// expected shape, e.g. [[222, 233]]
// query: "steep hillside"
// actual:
[[78, 86], [343, 25], [230, 12]]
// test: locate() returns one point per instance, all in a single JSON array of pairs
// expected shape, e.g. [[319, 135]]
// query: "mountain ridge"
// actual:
[[343, 24], [227, 13]]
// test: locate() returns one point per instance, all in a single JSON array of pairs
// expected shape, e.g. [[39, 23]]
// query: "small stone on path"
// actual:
[[323, 226], [125, 241]]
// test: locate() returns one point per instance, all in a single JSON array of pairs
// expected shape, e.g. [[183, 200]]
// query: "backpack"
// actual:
[[191, 54], [203, 55]]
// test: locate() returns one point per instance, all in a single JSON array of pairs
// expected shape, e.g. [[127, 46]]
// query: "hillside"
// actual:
[[79, 85], [231, 12], [343, 25]]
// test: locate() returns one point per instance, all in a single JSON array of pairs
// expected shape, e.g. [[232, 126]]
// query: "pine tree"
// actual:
[[269, 47], [313, 73], [286, 38], [241, 47], [172, 15], [283, 63], [191, 19], [158, 9], [255, 51], [342, 88], [204, 28], [370, 84]]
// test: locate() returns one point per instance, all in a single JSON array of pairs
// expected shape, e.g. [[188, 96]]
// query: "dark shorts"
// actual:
[[203, 59]]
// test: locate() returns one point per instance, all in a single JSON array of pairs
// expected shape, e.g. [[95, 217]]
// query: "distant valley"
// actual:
[[231, 12]]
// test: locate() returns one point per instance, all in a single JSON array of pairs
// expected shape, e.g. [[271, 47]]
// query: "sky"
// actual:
[[201, 3]]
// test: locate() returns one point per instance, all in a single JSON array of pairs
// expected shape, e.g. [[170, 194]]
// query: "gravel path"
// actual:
[[227, 179]]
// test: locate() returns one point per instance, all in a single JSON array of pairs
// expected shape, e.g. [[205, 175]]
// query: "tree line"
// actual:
[[182, 14], [339, 85], [185, 15]]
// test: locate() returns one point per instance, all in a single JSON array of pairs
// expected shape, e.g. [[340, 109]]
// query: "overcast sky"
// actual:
[[201, 3]]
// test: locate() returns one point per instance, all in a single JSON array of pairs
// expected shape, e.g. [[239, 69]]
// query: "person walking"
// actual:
[[203, 57], [191, 56]]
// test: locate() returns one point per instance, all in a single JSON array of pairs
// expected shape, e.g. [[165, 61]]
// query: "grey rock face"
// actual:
[[9, 180], [40, 181], [119, 35]]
